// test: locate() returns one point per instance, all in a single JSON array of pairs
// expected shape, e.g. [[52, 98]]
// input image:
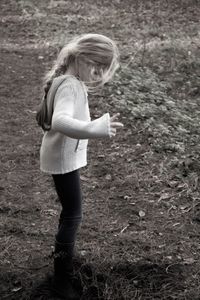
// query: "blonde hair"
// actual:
[[95, 50]]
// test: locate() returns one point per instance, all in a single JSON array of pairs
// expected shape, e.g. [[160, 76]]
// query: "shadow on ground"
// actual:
[[119, 280]]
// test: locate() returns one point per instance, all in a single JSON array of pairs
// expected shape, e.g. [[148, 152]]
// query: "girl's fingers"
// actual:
[[114, 117], [113, 134], [113, 130], [116, 124]]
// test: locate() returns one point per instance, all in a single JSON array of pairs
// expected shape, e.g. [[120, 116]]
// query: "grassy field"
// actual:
[[140, 236]]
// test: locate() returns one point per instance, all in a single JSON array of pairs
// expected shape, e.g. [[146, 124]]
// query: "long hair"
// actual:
[[98, 51]]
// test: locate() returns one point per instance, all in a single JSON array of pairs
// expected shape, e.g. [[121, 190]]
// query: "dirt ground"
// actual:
[[140, 234]]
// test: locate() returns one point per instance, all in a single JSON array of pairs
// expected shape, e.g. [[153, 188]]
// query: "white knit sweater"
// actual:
[[64, 146]]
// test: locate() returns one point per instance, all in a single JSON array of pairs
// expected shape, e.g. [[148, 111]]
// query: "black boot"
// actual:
[[62, 283]]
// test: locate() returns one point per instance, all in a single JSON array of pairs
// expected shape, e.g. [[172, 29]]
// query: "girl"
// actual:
[[84, 64]]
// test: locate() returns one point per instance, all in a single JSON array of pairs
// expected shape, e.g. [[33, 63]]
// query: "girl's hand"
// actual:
[[114, 125]]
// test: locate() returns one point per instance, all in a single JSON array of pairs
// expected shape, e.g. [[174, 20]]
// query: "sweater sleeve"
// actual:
[[64, 122]]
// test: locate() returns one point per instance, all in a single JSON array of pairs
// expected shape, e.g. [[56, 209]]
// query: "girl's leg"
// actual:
[[69, 193]]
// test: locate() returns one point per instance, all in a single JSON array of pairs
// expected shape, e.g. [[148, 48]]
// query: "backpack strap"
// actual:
[[51, 95]]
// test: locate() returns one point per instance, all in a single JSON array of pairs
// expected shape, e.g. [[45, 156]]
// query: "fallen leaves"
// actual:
[[50, 212], [16, 289], [142, 214], [164, 196], [108, 177], [189, 260]]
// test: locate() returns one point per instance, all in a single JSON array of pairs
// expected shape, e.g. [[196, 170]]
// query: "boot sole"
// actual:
[[57, 292]]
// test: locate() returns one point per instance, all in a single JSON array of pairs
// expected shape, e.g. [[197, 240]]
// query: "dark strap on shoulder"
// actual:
[[52, 92]]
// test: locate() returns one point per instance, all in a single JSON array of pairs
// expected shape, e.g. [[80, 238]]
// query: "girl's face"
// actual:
[[90, 72]]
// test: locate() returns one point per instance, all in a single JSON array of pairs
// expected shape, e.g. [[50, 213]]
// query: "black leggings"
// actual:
[[69, 193]]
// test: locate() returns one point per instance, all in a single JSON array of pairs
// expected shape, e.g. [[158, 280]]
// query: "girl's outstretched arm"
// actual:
[[64, 122]]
